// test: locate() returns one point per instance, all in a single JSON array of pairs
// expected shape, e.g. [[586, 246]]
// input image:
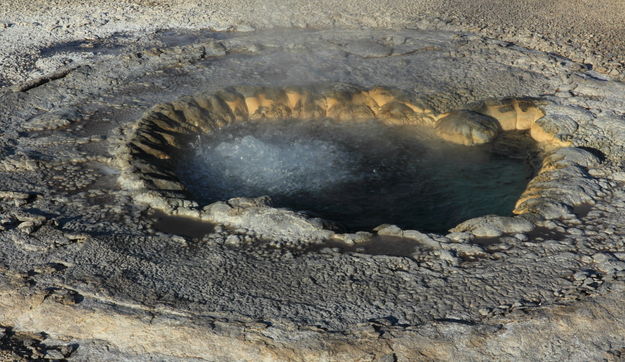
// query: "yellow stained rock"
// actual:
[[275, 111], [539, 135], [295, 97], [527, 114], [169, 138], [398, 114], [150, 150], [467, 128], [194, 114], [267, 103], [381, 96], [347, 103], [234, 102], [217, 109], [363, 98], [311, 111], [505, 114], [350, 112], [416, 108], [171, 112]]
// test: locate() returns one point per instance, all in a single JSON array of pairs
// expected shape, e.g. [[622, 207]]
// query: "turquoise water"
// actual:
[[359, 175]]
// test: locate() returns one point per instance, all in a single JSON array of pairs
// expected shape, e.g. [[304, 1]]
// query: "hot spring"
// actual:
[[359, 175]]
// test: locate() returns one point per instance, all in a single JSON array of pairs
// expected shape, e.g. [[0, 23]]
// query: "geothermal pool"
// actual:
[[359, 175]]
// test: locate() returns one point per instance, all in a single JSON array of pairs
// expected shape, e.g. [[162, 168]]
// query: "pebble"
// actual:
[[600, 258], [575, 231], [233, 240]]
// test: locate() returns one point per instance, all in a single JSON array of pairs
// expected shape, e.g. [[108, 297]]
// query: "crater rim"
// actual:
[[152, 140]]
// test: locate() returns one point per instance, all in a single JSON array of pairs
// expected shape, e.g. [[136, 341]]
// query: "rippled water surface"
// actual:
[[359, 175]]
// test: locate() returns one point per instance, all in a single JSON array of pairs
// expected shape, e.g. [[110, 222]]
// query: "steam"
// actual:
[[248, 166]]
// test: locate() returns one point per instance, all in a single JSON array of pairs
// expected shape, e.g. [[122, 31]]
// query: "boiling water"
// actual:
[[359, 175]]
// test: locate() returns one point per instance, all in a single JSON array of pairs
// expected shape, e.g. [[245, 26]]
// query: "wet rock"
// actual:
[[354, 239], [460, 237], [421, 238], [493, 226], [468, 128], [386, 229]]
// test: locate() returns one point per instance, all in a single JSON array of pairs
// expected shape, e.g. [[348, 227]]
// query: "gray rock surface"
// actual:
[[86, 274]]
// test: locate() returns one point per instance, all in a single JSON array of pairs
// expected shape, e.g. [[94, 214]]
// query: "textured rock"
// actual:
[[493, 226], [468, 128], [100, 279]]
